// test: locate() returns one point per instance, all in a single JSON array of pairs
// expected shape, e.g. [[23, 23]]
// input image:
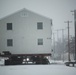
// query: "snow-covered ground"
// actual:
[[52, 69]]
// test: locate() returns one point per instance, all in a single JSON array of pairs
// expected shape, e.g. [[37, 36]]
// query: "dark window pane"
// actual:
[[40, 41], [39, 25], [9, 42], [9, 26]]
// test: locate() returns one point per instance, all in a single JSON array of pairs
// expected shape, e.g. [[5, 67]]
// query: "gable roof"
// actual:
[[23, 10]]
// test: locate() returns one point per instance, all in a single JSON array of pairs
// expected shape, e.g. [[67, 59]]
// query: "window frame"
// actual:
[[9, 42], [39, 25], [9, 26], [40, 41]]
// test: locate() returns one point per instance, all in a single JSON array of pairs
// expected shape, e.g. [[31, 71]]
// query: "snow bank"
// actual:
[[37, 70]]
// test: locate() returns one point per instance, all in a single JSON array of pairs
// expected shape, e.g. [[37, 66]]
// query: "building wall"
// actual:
[[25, 34]]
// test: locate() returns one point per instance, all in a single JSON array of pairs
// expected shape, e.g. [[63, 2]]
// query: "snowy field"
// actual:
[[52, 69]]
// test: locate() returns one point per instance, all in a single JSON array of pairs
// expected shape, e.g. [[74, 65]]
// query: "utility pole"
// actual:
[[63, 42], [62, 39], [58, 40], [75, 30], [68, 41], [57, 34], [54, 46]]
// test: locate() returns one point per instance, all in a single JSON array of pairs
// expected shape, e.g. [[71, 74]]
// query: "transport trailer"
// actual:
[[25, 59], [73, 63]]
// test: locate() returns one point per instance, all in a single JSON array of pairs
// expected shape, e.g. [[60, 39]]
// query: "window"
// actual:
[[40, 41], [9, 42], [24, 14], [9, 26], [39, 25]]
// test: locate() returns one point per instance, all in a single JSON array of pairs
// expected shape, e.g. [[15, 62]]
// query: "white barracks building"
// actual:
[[26, 32]]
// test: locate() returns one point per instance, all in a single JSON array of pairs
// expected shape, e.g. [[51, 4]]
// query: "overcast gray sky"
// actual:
[[57, 10]]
